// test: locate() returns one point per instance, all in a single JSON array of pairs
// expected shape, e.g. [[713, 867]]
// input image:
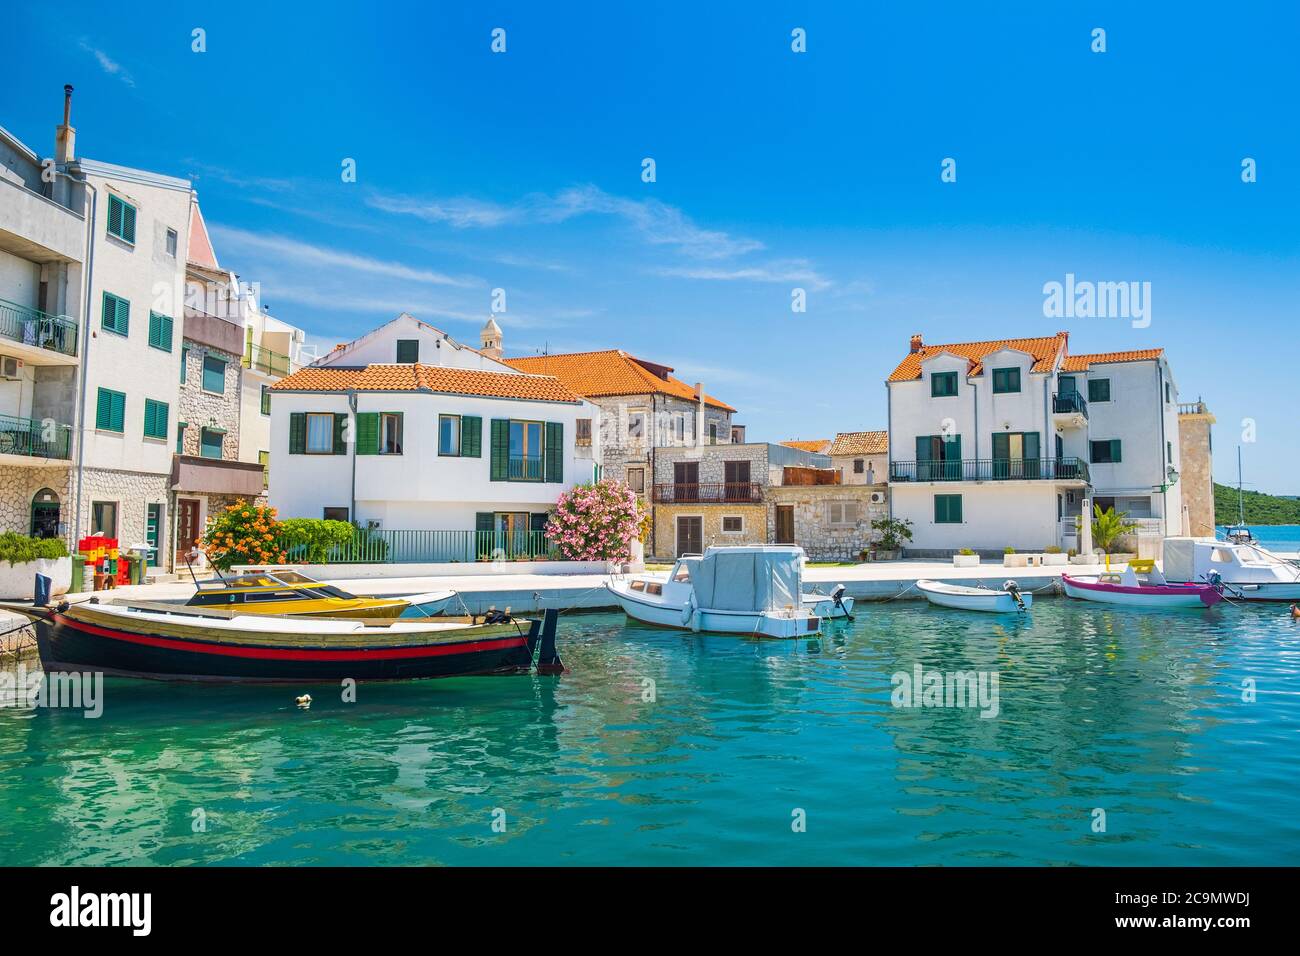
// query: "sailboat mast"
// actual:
[[1241, 510]]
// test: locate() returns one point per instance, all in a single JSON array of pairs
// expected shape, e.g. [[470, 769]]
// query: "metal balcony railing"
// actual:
[[20, 323], [266, 361], [524, 468], [1065, 403], [34, 439], [991, 469], [724, 492]]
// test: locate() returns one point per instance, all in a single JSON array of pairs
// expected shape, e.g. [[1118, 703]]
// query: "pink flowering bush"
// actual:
[[596, 522]]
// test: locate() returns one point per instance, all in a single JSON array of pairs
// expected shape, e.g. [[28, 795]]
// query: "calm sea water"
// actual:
[[1278, 537], [1139, 714]]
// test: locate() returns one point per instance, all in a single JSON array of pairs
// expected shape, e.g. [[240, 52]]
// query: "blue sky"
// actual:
[[775, 170]]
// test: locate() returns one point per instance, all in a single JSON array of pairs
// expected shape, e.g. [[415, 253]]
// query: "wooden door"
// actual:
[[187, 527], [690, 535], [785, 524]]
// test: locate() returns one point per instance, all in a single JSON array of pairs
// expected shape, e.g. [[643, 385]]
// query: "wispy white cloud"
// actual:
[[656, 222], [269, 183], [386, 303], [107, 63], [320, 256], [796, 271]]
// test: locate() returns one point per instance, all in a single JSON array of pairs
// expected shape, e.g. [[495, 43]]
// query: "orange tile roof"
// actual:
[[612, 372], [814, 445], [427, 378], [1044, 350], [1080, 363], [860, 443]]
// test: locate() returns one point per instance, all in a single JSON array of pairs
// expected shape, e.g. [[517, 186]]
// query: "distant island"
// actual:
[[1258, 507]]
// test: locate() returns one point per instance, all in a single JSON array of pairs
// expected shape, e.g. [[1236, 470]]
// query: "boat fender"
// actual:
[[688, 612]]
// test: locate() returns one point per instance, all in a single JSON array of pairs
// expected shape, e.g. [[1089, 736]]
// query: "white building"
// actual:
[[996, 444], [405, 429], [95, 270]]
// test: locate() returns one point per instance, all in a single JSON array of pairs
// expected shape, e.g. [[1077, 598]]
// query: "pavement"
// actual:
[[531, 592]]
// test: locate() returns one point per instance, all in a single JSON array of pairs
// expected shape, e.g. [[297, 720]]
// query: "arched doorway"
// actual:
[[45, 514]]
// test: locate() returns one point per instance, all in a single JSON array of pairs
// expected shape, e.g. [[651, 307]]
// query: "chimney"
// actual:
[[65, 137], [915, 344], [699, 413]]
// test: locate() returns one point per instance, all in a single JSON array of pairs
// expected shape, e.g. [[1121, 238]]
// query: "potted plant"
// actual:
[[22, 558], [1107, 528], [1012, 560], [1053, 555], [965, 558], [893, 532]]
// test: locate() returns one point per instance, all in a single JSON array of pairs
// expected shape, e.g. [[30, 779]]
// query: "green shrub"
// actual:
[[1008, 550], [966, 552], [18, 548], [310, 540], [1052, 549]]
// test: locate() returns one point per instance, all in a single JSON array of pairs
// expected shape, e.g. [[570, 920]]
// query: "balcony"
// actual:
[[1069, 410], [37, 331], [715, 492], [524, 468], [992, 469], [266, 361], [28, 438]]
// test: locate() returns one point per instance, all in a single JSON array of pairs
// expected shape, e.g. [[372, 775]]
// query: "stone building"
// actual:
[[1197, 447], [644, 407]]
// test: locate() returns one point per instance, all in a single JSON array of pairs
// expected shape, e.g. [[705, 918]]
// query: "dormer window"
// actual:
[[943, 384], [1006, 380]]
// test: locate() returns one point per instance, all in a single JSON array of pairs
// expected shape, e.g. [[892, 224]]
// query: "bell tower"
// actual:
[[490, 340]]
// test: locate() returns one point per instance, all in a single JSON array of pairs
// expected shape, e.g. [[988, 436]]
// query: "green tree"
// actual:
[[1108, 527]]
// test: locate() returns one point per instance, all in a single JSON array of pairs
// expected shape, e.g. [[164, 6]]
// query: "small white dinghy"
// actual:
[[1005, 601], [750, 589], [837, 604]]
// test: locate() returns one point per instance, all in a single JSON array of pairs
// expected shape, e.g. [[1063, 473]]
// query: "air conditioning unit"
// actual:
[[11, 367], [877, 497]]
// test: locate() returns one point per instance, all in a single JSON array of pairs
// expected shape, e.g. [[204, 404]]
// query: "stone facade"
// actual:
[[19, 485], [813, 528], [1197, 461], [132, 492], [659, 429], [199, 408], [753, 522]]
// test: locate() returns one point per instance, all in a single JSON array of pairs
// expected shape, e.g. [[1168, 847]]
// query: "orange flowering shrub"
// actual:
[[242, 534]]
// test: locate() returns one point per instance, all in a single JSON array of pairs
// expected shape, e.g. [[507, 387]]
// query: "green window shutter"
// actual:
[[408, 351], [266, 400], [923, 452], [110, 410], [116, 315], [210, 442], [214, 374], [500, 467], [121, 219], [185, 357], [160, 331], [155, 418], [367, 433], [484, 521], [538, 520], [297, 433], [554, 465], [1115, 455], [471, 436], [340, 424], [128, 222], [180, 438]]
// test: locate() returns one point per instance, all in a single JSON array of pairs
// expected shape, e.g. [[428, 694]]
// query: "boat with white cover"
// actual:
[[963, 597], [748, 589], [1249, 572]]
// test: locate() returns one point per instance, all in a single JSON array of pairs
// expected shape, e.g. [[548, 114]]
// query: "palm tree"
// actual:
[[1108, 527]]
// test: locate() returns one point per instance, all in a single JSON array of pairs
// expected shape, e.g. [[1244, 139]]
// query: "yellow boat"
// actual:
[[289, 592]]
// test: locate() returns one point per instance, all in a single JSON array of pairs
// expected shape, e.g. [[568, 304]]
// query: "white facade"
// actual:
[[418, 488], [1021, 460], [433, 347]]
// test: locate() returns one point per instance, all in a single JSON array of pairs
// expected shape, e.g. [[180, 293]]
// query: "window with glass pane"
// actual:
[[1006, 380], [210, 443], [390, 433], [449, 435], [1099, 390], [320, 433], [408, 351], [266, 400], [526, 451], [943, 384]]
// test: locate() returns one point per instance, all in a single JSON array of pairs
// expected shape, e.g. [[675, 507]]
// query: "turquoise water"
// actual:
[[1278, 537], [1139, 714]]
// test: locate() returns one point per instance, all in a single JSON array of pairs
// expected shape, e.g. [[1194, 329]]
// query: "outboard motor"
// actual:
[[838, 597], [1012, 588]]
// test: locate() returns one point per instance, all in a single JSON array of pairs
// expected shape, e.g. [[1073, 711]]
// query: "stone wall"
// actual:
[[1197, 476], [198, 408], [133, 492], [813, 531], [664, 540], [19, 484], [618, 452]]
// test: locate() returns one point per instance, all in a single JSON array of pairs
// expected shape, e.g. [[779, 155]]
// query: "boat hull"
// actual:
[[757, 624], [159, 653], [1157, 596], [995, 602]]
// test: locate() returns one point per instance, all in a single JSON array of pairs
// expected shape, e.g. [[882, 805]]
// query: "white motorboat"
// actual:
[[836, 605], [966, 598], [1246, 571], [749, 589]]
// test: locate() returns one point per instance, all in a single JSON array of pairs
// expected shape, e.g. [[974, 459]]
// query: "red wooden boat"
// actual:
[[167, 642]]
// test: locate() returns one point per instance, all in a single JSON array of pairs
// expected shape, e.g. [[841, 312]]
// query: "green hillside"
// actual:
[[1259, 507]]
